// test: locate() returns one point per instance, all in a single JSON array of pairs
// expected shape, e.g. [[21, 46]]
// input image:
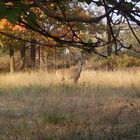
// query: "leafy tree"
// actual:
[[63, 14]]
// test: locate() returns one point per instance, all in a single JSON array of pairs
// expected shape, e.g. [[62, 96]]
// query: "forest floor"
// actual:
[[102, 106]]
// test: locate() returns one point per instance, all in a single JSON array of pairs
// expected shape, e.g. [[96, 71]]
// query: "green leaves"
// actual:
[[3, 9], [10, 13], [13, 15], [129, 5], [31, 19], [13, 10]]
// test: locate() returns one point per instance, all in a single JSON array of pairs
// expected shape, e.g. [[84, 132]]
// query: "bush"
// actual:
[[118, 62]]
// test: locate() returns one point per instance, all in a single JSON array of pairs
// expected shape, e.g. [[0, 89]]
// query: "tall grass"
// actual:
[[103, 78], [103, 105]]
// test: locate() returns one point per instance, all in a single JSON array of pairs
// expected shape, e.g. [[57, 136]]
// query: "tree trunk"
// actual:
[[11, 53], [33, 53], [22, 57], [46, 60], [38, 55], [55, 59], [42, 59], [109, 47]]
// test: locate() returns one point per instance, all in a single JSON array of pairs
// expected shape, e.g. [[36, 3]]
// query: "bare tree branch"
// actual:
[[70, 19], [132, 30]]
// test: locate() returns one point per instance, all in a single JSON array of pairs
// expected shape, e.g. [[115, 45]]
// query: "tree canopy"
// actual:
[[71, 22]]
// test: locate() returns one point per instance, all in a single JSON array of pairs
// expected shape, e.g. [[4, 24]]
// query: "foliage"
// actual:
[[123, 61], [62, 20]]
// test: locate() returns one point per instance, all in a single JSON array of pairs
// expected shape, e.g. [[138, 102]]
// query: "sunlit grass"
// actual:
[[103, 78]]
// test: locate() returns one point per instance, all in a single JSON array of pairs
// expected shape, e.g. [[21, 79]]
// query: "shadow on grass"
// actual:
[[69, 112]]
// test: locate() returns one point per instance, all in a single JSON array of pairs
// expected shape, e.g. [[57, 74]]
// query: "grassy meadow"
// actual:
[[102, 106]]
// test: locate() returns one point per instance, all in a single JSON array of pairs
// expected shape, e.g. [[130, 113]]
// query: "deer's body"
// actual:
[[72, 73]]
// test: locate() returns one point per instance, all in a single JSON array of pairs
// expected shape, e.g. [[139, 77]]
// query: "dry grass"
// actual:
[[102, 106], [102, 78]]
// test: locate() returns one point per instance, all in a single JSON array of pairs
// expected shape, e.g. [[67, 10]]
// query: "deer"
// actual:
[[71, 73]]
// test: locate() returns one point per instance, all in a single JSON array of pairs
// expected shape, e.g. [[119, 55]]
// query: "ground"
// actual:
[[102, 106]]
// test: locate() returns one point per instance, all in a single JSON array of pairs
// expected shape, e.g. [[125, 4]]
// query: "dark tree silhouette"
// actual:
[[38, 15]]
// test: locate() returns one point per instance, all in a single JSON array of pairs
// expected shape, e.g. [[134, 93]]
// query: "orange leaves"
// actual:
[[19, 28], [4, 23]]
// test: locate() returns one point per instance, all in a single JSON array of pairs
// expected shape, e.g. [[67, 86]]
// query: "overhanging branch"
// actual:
[[70, 19]]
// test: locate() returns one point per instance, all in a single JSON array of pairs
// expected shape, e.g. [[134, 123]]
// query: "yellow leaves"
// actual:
[[81, 34], [49, 39], [1, 44]]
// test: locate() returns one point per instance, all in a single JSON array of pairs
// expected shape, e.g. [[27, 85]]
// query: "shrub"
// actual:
[[113, 62]]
